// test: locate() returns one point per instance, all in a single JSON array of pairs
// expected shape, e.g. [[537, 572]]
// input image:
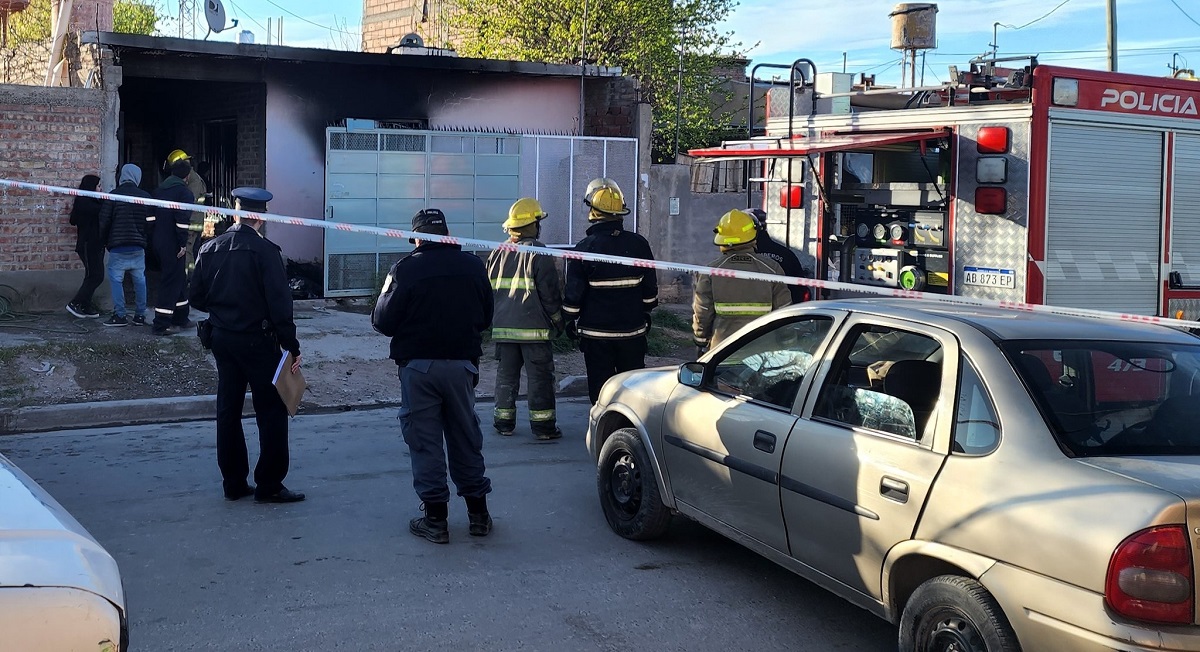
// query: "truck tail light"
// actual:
[[1150, 577], [791, 197], [992, 140], [990, 200]]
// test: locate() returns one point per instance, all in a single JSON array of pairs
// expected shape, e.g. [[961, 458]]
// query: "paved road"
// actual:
[[340, 571]]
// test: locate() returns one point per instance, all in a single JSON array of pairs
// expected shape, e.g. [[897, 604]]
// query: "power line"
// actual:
[[1045, 15], [251, 17], [296, 15], [1184, 13]]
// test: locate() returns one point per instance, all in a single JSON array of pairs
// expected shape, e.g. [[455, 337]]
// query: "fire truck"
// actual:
[[1035, 183]]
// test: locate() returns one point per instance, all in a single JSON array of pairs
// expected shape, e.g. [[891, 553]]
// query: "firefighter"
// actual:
[[780, 253], [528, 317], [721, 305], [169, 243], [608, 305], [199, 189]]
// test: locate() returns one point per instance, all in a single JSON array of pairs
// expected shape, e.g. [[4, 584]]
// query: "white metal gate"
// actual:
[[1103, 218], [1185, 210], [382, 177]]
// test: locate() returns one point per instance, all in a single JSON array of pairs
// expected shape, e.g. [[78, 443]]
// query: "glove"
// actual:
[[701, 346], [557, 328], [572, 330]]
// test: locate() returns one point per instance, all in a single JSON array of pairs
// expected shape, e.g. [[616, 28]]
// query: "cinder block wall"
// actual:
[[49, 136]]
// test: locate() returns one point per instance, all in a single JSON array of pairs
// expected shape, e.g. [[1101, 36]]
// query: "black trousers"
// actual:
[[249, 359], [92, 255], [607, 358], [171, 304]]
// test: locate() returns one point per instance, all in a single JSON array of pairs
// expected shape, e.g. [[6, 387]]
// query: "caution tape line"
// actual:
[[568, 254]]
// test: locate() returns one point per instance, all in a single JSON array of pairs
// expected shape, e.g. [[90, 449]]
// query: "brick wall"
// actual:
[[386, 21], [610, 107], [49, 136], [92, 15]]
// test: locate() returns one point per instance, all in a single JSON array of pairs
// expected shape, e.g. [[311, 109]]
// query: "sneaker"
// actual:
[[139, 320], [117, 321], [82, 312], [481, 524], [436, 530], [548, 436]]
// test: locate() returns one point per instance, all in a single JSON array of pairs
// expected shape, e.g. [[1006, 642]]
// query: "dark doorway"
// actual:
[[220, 151]]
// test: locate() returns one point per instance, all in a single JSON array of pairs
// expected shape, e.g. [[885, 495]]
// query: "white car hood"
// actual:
[[41, 545]]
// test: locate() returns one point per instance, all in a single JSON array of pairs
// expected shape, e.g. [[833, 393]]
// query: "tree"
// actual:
[[129, 16], [643, 37]]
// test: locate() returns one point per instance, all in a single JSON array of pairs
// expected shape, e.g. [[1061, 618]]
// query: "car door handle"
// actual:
[[764, 441], [895, 489]]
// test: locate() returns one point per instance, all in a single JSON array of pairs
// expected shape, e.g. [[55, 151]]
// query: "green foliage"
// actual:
[[642, 37], [33, 24]]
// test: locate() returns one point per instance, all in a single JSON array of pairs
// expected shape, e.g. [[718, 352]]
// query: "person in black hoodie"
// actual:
[[435, 305], [85, 217], [171, 230], [123, 230], [781, 254]]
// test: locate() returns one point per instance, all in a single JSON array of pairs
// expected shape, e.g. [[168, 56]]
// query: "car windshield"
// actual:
[[1114, 398]]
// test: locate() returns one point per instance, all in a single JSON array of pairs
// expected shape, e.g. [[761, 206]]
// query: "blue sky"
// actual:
[[779, 31]]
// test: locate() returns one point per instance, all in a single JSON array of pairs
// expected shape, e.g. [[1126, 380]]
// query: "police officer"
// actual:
[[528, 317], [435, 305], [720, 304], [609, 303], [240, 281], [169, 241], [782, 254]]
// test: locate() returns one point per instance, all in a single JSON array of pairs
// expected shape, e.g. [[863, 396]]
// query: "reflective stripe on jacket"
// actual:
[[722, 305], [611, 301], [526, 294]]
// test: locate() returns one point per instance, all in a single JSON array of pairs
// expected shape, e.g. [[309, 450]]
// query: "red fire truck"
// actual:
[[1040, 184]]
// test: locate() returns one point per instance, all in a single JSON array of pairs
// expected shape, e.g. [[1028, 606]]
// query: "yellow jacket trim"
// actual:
[[528, 334]]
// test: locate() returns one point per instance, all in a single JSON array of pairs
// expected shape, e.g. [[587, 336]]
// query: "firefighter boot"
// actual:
[[477, 514], [433, 525]]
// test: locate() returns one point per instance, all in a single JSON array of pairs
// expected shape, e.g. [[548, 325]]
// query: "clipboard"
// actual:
[[290, 385]]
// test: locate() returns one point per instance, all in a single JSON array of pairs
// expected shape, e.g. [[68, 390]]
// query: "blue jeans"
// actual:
[[133, 262]]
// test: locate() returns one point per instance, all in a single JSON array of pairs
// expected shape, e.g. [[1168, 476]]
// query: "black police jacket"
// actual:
[[611, 301], [787, 259], [435, 305], [240, 281]]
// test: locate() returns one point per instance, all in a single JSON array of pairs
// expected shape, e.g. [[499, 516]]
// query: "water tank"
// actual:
[[914, 26], [245, 36]]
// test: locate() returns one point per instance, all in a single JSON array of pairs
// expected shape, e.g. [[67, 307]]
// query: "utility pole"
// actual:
[[995, 41], [1112, 35], [679, 92]]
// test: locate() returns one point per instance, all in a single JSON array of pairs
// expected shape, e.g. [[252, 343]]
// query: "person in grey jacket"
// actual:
[[527, 319], [123, 232]]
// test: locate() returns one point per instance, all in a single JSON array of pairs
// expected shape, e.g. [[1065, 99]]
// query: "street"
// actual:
[[341, 571]]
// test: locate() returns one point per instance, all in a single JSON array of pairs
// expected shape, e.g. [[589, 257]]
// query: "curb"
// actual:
[[171, 409]]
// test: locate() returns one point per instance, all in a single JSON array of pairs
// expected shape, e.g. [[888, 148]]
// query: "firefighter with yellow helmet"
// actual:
[[527, 318], [721, 305], [609, 304], [199, 190]]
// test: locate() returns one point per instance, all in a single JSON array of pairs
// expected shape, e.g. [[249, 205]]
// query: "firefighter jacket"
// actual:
[[527, 296], [721, 305], [787, 259], [435, 305], [610, 301], [240, 281], [171, 225], [123, 224]]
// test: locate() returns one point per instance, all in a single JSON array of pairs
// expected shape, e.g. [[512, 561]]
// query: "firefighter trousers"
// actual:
[[607, 358], [249, 359], [171, 304], [538, 360]]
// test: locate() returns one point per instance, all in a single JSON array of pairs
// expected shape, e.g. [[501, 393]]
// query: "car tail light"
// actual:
[[1150, 577], [990, 200]]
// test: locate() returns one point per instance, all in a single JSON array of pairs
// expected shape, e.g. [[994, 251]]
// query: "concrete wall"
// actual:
[[50, 136], [686, 237]]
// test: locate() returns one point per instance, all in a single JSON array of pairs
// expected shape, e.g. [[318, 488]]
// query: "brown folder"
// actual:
[[291, 386]]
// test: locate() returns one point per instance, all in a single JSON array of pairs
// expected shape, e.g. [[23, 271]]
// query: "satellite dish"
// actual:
[[214, 12]]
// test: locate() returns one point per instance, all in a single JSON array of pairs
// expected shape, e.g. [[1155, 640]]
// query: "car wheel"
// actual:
[[628, 490], [955, 614]]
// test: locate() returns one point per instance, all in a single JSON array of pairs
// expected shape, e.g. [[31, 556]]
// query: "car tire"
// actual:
[[628, 489], [955, 613]]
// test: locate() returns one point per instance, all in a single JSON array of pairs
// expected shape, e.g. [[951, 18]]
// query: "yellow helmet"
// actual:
[[734, 228], [177, 156], [605, 199], [524, 211]]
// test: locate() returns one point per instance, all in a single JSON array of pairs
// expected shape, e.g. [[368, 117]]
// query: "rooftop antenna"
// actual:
[[214, 13], [187, 18]]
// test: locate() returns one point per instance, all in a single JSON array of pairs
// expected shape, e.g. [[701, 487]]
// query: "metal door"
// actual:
[[1104, 218]]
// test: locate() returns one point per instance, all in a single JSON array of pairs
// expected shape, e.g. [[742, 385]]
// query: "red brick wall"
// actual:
[[610, 107], [49, 136]]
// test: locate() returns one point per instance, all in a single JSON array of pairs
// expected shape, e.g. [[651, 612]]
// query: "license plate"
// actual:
[[991, 278]]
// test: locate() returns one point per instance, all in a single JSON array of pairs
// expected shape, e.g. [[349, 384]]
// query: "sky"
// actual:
[[1069, 33]]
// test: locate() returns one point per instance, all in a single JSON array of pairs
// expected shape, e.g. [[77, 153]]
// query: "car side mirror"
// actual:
[[691, 374]]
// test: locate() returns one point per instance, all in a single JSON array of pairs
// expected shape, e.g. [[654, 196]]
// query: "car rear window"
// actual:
[[1114, 398]]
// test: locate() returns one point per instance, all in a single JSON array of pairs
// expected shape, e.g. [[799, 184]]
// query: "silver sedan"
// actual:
[[986, 480]]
